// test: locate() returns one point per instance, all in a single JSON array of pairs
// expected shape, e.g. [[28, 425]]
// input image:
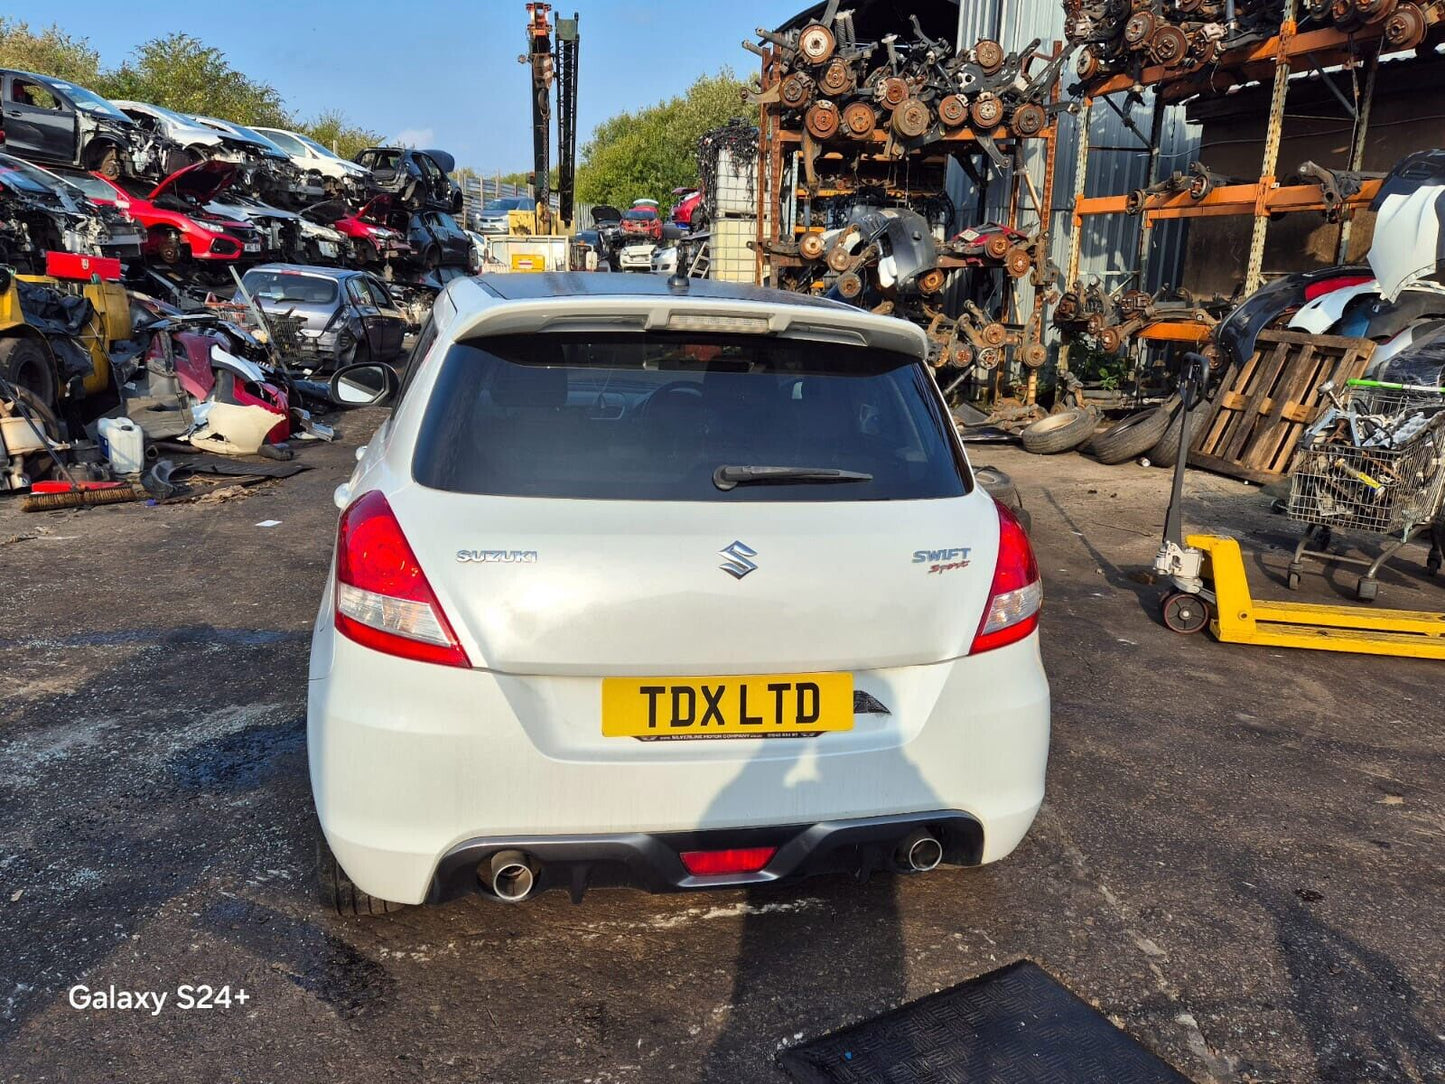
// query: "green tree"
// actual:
[[648, 153], [50, 52], [332, 129], [183, 73]]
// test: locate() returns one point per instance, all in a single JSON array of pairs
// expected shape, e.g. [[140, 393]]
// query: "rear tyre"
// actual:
[[339, 893], [1166, 452], [1133, 436], [1060, 432], [25, 364]]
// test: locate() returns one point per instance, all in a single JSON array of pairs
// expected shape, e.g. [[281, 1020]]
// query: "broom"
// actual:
[[80, 495], [49, 496]]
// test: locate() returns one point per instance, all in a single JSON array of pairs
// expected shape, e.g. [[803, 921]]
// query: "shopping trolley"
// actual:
[[1372, 464]]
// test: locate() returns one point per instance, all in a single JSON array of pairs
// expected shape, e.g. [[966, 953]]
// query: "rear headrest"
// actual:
[[528, 386]]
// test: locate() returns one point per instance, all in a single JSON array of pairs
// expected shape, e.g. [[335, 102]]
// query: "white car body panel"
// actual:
[[1405, 247], [409, 760], [1324, 312], [326, 165], [636, 257], [187, 132]]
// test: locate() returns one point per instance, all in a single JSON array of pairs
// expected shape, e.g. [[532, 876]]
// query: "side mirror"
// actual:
[[368, 384]]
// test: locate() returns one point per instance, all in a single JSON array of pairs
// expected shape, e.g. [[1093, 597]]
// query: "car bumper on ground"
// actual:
[[482, 760]]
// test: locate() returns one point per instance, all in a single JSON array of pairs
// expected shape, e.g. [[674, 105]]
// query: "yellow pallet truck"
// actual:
[[1208, 586]]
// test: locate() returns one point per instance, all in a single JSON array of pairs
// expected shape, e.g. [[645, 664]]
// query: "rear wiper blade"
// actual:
[[730, 476]]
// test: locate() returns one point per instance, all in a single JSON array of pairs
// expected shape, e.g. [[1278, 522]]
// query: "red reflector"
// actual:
[[73, 265], [713, 863], [1329, 286]]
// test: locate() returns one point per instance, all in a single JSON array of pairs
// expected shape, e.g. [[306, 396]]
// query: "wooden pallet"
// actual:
[[1263, 406]]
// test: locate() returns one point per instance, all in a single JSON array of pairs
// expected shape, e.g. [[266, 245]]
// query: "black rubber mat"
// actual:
[[1015, 1025]]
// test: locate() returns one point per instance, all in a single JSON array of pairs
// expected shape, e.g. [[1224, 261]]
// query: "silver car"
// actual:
[[491, 220], [329, 316]]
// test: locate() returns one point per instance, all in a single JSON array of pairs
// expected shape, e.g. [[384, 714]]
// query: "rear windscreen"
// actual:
[[657, 416], [293, 286]]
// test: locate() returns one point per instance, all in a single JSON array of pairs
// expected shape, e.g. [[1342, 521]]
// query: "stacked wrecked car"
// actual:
[[174, 284], [103, 176]]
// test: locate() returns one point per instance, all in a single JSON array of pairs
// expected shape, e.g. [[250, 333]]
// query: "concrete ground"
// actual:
[[1239, 861]]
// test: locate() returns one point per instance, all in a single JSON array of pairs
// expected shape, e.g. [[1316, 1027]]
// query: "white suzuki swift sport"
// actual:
[[673, 584]]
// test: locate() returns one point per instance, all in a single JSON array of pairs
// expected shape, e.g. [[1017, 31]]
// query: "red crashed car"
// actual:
[[177, 225], [375, 241], [688, 201], [208, 373], [642, 221]]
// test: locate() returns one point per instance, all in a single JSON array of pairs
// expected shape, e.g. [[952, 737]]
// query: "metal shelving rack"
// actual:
[[1288, 51], [776, 140]]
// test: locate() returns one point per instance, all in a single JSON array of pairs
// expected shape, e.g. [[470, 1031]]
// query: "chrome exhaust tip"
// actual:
[[919, 852], [508, 875]]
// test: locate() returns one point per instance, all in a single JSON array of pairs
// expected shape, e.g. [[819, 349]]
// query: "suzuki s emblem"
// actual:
[[737, 564]]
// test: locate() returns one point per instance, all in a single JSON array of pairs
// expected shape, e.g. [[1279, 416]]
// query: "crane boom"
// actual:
[[539, 53], [567, 42], [551, 66]]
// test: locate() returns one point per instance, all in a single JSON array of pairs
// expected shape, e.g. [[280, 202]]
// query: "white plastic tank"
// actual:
[[124, 444]]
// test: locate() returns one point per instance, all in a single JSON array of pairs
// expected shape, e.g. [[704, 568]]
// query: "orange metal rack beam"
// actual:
[[1264, 198], [1326, 47], [1176, 331]]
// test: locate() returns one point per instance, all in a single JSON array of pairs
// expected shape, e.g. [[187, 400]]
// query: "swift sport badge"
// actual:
[[943, 560], [737, 564]]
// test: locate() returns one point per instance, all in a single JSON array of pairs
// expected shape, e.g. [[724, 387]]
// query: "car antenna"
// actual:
[[678, 283]]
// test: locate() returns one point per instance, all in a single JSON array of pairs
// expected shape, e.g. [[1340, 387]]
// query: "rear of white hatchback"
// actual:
[[675, 587]]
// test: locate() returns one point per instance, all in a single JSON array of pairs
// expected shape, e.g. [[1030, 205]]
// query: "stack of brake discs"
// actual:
[[1185, 35], [841, 89], [1125, 36], [1403, 24]]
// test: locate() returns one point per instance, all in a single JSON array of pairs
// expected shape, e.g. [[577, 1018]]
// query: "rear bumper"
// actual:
[[418, 771], [651, 861]]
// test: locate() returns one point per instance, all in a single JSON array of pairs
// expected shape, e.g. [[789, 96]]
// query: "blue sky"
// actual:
[[443, 74]]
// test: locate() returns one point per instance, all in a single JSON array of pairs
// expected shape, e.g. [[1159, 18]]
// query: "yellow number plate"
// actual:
[[726, 707]]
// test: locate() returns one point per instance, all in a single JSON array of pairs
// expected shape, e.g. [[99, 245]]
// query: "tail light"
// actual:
[[738, 860], [383, 599], [1017, 592]]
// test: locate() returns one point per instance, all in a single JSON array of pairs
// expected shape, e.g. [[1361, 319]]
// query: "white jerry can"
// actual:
[[124, 444]]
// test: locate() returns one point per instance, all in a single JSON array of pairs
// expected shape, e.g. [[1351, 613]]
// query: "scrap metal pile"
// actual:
[[1392, 307], [182, 199], [1126, 35], [1374, 461], [176, 283], [1404, 24], [100, 385], [1107, 321], [910, 92], [1182, 36], [875, 124]]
